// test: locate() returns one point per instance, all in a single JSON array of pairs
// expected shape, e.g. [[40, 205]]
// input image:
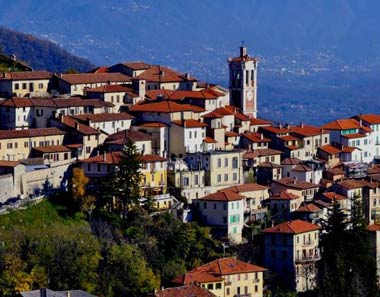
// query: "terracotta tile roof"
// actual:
[[212, 115], [369, 118], [288, 138], [121, 136], [255, 137], [261, 153], [306, 131], [9, 163], [152, 159], [224, 195], [185, 291], [283, 195], [241, 117], [162, 74], [293, 183], [354, 135], [375, 169], [343, 124], [52, 149], [227, 266], [258, 122], [275, 130], [223, 111], [182, 94], [153, 125], [348, 149], [81, 128], [18, 102], [351, 184], [189, 123], [112, 89], [111, 158], [231, 134], [333, 196], [373, 227], [196, 277], [5, 134], [311, 207], [100, 69], [332, 150], [164, 107], [209, 140], [26, 75], [302, 168], [103, 117], [290, 161], [137, 65], [248, 187], [88, 78], [293, 227]]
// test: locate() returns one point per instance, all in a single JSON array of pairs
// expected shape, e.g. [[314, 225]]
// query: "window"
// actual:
[[210, 286], [214, 205], [218, 286], [226, 177], [26, 144], [88, 149], [40, 85], [235, 163], [9, 145], [234, 176], [204, 205], [219, 162], [24, 86], [228, 291], [219, 178], [17, 86], [224, 220], [226, 162]]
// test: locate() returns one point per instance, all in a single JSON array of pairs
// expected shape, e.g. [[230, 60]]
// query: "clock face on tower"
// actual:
[[249, 95]]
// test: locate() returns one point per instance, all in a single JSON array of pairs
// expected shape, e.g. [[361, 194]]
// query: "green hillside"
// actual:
[[37, 53]]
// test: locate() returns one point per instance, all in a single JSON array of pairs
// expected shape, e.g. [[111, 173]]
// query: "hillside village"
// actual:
[[206, 155]]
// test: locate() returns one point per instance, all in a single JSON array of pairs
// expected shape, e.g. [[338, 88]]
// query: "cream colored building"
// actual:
[[20, 84], [226, 277], [17, 144], [292, 251]]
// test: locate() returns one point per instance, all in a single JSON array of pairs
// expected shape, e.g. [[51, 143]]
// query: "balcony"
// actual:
[[308, 258], [229, 283], [308, 243], [256, 280]]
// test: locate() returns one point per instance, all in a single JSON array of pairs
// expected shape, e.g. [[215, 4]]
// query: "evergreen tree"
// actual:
[[347, 267]]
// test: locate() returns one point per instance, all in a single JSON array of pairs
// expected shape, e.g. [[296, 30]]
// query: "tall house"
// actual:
[[243, 82]]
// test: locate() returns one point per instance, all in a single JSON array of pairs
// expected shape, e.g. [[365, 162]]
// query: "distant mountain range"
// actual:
[[319, 57], [37, 53]]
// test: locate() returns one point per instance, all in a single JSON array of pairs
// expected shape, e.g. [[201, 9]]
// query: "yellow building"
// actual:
[[226, 277], [17, 144]]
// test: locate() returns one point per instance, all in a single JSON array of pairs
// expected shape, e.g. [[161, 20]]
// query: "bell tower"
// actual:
[[243, 82]]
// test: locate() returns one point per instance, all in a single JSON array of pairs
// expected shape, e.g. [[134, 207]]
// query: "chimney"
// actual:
[[261, 136], [243, 51], [187, 75], [301, 125], [162, 73], [13, 57], [280, 125], [104, 156], [76, 125]]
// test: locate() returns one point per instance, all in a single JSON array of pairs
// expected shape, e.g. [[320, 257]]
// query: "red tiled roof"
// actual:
[[153, 125], [185, 291], [52, 149], [5, 134], [284, 195], [209, 140], [290, 161], [212, 115], [190, 123], [152, 158], [373, 227], [269, 165], [354, 135], [302, 168], [103, 117], [248, 187], [224, 195], [164, 107], [18, 102], [311, 207], [255, 137], [87, 78], [261, 153], [343, 124], [182, 94], [26, 75], [305, 130], [137, 65], [111, 158], [369, 118], [121, 136], [161, 74], [276, 130], [81, 128], [293, 183], [348, 149], [332, 150], [259, 122], [100, 69], [227, 266], [231, 134], [223, 111], [293, 227], [288, 138], [9, 163], [333, 196], [352, 184]]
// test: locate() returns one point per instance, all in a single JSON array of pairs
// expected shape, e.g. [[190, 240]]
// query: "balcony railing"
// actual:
[[256, 280], [308, 242], [308, 258]]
